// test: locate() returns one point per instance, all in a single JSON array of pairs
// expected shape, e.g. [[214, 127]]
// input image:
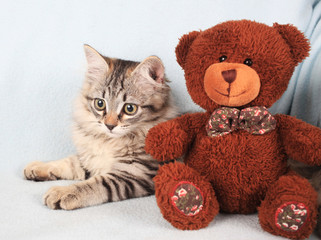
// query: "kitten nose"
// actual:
[[110, 127], [229, 75]]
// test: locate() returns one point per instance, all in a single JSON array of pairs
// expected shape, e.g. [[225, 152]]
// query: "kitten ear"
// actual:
[[97, 65], [152, 69]]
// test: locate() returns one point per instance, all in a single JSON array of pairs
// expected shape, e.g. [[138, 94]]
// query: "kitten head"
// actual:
[[119, 97]]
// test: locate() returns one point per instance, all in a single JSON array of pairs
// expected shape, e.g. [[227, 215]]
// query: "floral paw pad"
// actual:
[[290, 217], [187, 198]]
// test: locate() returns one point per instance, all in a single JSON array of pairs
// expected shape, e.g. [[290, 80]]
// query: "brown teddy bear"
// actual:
[[235, 153]]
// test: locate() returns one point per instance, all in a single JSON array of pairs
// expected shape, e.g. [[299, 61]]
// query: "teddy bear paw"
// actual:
[[290, 217], [187, 198]]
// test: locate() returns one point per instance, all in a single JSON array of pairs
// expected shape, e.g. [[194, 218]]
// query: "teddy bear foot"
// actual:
[[294, 203], [185, 198], [292, 216]]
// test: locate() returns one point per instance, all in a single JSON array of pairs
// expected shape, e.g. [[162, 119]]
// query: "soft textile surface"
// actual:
[[41, 70]]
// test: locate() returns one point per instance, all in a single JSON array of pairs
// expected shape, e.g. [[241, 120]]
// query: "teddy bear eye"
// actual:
[[248, 62], [222, 58]]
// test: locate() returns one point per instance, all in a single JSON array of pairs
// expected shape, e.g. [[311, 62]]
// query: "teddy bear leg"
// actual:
[[289, 208], [184, 197]]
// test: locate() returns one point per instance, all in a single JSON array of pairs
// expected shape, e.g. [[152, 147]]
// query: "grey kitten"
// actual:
[[119, 102]]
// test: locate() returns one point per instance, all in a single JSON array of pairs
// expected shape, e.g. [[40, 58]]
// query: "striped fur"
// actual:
[[111, 161]]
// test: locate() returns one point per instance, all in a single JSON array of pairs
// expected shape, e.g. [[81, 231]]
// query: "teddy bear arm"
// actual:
[[170, 140], [301, 141]]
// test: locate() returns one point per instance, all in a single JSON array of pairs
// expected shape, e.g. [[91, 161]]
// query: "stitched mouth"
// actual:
[[228, 95]]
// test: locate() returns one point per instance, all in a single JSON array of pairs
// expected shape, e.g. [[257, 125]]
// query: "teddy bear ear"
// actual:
[[298, 43], [183, 46]]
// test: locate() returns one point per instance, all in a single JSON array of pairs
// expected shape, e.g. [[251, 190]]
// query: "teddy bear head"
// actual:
[[240, 63]]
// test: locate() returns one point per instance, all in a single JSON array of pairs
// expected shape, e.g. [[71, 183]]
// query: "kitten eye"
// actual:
[[130, 109], [100, 104], [222, 58]]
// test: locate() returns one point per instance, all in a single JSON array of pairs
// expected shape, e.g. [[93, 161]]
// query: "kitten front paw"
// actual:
[[62, 197], [40, 171]]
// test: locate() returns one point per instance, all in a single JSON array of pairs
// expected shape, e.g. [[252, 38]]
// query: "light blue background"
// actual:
[[41, 70]]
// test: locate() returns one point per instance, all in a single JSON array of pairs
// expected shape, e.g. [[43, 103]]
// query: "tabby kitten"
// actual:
[[119, 102]]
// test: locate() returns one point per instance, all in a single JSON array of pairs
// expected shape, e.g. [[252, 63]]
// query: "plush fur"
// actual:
[[238, 64]]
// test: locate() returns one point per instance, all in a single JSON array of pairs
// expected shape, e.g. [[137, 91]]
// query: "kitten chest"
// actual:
[[97, 156]]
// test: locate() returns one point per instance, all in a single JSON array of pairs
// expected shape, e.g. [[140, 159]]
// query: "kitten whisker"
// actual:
[[84, 122]]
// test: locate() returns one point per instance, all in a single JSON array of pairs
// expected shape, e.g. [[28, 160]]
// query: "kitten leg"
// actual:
[[114, 186], [67, 168], [82, 194]]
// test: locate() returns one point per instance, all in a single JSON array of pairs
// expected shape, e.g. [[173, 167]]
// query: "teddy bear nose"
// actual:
[[229, 75]]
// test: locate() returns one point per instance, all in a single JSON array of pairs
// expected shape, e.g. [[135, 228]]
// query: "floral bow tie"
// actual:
[[255, 120]]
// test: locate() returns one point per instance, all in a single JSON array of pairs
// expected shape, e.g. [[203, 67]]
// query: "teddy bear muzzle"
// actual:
[[231, 84]]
